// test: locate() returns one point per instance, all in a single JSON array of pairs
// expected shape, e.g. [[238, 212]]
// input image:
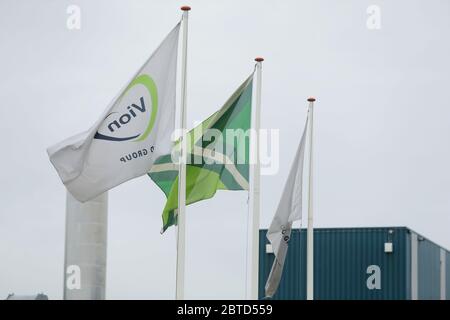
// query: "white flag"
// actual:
[[134, 130], [289, 210]]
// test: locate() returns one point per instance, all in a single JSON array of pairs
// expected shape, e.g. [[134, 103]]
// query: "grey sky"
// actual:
[[382, 126]]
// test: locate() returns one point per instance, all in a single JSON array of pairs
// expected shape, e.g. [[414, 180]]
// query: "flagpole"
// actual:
[[255, 188], [181, 229], [310, 231]]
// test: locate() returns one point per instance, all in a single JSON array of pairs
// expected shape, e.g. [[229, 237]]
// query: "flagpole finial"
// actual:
[[185, 8], [311, 99], [259, 59]]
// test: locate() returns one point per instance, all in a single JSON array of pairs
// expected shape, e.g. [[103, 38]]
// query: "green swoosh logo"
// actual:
[[150, 85]]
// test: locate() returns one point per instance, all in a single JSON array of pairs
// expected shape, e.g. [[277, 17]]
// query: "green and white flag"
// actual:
[[217, 155], [134, 130]]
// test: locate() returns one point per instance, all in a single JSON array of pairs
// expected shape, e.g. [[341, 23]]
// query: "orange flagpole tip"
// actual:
[[259, 59], [185, 8], [311, 99]]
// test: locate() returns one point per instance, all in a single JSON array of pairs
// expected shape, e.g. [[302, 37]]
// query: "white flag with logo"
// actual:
[[289, 210], [134, 130]]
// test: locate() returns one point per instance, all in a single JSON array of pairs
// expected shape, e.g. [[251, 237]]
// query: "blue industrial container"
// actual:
[[447, 273], [361, 263]]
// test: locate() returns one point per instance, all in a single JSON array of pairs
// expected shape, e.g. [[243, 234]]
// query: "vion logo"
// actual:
[[134, 114]]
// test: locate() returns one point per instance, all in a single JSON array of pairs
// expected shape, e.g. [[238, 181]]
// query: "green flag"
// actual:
[[217, 155]]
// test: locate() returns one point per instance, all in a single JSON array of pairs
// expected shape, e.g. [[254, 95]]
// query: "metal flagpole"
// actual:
[[181, 229], [255, 187], [310, 231]]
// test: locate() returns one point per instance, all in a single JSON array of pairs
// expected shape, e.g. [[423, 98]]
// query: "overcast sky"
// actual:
[[382, 126]]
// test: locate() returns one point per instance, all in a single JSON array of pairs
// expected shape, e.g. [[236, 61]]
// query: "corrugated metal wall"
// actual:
[[447, 272], [429, 269], [345, 259], [293, 284], [408, 265]]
